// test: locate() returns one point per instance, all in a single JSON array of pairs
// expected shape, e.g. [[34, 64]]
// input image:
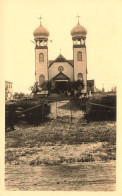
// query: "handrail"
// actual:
[[103, 105], [29, 109]]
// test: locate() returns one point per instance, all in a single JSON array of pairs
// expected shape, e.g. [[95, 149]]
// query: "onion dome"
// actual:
[[41, 32], [78, 31]]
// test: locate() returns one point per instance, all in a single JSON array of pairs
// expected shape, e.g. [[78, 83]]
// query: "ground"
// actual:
[[63, 153]]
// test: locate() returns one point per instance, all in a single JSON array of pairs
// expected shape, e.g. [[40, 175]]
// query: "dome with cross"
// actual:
[[78, 31], [41, 32]]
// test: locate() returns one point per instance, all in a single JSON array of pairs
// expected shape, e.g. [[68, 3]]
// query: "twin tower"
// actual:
[[60, 69]]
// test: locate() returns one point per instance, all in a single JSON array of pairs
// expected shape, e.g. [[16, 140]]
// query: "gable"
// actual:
[[61, 58], [61, 76]]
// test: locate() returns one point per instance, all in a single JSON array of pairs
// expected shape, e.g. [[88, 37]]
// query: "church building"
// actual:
[[61, 69]]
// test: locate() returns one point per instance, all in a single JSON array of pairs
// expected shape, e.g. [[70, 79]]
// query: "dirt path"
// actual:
[[82, 177], [66, 109]]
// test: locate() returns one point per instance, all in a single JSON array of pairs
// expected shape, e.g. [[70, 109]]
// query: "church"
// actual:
[[61, 70]]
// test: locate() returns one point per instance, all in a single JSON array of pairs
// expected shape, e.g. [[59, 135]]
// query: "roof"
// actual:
[[9, 82], [50, 61], [61, 58], [41, 32], [71, 61], [92, 81], [78, 31]]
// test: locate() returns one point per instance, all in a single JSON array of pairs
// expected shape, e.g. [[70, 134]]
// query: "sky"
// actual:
[[102, 19]]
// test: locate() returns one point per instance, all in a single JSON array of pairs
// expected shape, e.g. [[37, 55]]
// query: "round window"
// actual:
[[60, 68]]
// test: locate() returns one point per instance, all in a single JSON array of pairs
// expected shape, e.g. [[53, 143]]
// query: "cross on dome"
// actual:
[[78, 18], [40, 19]]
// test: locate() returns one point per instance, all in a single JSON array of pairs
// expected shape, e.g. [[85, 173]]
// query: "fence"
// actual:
[[33, 115]]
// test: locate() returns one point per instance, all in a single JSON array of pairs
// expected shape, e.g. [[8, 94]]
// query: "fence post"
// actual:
[[71, 111], [56, 110]]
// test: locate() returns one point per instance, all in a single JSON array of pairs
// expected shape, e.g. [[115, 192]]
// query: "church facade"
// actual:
[[61, 70]]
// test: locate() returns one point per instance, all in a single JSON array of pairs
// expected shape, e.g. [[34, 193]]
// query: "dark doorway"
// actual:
[[61, 86]]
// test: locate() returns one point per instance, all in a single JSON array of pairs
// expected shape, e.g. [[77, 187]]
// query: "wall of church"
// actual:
[[68, 70], [41, 67], [80, 66]]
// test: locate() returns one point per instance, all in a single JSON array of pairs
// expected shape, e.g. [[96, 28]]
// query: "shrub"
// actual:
[[99, 112]]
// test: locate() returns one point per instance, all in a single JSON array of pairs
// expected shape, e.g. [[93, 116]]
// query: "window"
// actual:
[[78, 42], [41, 57], [79, 56], [60, 68], [80, 76], [41, 79]]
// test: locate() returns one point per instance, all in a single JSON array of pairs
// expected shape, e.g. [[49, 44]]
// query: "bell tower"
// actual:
[[41, 53], [78, 34]]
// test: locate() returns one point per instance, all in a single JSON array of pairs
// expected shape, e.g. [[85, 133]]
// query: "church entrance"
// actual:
[[61, 86], [61, 82]]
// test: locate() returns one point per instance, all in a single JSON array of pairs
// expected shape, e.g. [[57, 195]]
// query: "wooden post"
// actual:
[[71, 111], [56, 110]]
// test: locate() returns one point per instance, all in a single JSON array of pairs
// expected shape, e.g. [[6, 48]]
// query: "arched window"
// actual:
[[41, 79], [79, 56], [41, 57], [80, 76]]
